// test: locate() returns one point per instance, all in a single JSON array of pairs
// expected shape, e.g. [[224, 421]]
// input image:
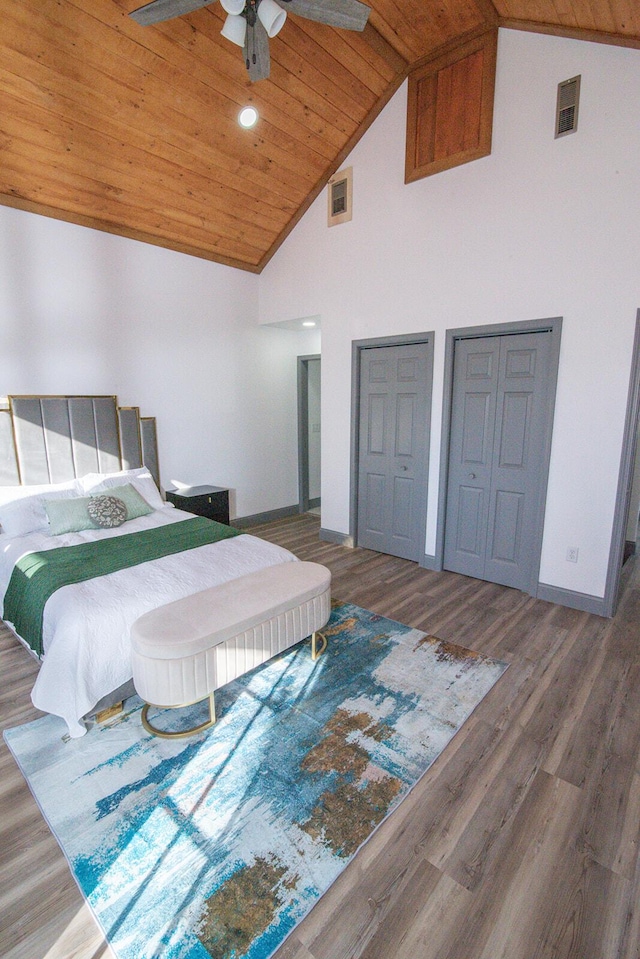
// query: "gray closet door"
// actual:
[[496, 457], [395, 397]]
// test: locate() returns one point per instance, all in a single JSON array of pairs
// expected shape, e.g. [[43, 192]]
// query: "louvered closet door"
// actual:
[[496, 456], [395, 397]]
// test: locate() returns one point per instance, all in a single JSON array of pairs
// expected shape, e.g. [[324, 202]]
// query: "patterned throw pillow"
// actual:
[[107, 511]]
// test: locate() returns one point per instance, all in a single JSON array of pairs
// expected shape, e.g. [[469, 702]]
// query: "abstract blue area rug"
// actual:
[[218, 845]]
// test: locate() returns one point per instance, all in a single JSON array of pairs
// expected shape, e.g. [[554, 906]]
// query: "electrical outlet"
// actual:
[[572, 554]]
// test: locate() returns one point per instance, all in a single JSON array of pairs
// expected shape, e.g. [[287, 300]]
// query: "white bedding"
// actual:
[[86, 625]]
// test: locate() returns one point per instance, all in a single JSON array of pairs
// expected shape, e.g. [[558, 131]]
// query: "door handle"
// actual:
[[472, 475], [405, 468]]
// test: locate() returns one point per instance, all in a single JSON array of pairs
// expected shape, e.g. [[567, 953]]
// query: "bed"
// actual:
[[86, 552]]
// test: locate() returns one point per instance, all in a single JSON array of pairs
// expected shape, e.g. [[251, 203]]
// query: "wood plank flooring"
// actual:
[[521, 841]]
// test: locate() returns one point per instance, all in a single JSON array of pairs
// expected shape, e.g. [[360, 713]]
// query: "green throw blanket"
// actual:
[[37, 575]]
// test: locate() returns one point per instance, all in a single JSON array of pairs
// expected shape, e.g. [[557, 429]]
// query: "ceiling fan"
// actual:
[[250, 23]]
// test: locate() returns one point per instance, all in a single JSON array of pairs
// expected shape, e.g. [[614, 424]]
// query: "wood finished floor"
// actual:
[[520, 842]]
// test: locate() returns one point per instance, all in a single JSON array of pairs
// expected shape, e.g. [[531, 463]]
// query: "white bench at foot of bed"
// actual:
[[184, 651]]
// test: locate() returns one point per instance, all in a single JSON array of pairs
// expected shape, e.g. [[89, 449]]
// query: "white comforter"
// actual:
[[86, 625]]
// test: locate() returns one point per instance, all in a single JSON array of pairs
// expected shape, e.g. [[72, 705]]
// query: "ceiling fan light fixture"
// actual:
[[252, 36], [234, 7], [234, 29], [271, 16]]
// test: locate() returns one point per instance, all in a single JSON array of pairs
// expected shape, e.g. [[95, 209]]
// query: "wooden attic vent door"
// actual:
[[450, 108]]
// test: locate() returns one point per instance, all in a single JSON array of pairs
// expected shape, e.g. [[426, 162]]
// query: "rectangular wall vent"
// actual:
[[340, 197], [567, 107]]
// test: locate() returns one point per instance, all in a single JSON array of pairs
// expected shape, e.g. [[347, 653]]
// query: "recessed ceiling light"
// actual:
[[248, 117], [309, 323]]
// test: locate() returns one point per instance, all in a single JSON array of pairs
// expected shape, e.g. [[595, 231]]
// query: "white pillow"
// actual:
[[23, 511], [10, 493], [139, 478]]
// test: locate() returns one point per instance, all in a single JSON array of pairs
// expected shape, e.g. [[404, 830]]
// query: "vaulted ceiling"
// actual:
[[133, 129]]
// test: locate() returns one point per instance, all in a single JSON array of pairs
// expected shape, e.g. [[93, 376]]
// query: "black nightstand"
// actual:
[[209, 501]]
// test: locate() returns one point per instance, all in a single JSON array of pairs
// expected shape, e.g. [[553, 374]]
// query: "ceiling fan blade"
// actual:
[[348, 14], [159, 10], [256, 52]]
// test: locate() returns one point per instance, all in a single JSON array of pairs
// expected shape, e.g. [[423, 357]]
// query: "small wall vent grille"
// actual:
[[340, 197], [567, 107]]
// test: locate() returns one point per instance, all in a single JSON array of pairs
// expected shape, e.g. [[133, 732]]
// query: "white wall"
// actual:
[[541, 228], [87, 312]]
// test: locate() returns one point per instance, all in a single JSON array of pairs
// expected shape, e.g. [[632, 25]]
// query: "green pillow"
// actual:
[[72, 515], [136, 503], [68, 515]]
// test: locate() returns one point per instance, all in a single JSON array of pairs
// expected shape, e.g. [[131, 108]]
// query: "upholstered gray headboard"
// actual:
[[52, 439]]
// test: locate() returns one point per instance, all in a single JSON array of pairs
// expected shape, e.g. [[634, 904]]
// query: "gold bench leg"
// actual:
[[106, 714], [315, 651], [180, 734]]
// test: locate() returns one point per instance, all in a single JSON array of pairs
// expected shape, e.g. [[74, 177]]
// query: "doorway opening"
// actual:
[[309, 433], [615, 579]]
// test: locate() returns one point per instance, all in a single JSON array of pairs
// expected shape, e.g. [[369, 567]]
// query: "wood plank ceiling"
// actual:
[[133, 129]]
